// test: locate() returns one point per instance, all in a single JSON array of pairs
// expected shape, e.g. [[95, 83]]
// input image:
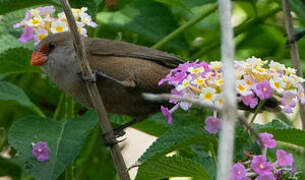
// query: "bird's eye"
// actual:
[[51, 45]]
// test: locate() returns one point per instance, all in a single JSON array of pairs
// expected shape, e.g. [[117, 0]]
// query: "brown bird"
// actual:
[[124, 71]]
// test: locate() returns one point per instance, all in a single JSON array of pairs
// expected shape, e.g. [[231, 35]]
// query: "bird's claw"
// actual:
[[91, 79], [111, 140]]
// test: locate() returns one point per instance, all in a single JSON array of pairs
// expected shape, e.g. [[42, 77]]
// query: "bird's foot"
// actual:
[[111, 140], [91, 79]]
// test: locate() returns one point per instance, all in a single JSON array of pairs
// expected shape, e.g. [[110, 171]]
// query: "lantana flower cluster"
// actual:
[[256, 80], [259, 168], [40, 22]]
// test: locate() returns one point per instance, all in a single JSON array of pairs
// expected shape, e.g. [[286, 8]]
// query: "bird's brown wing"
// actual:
[[105, 47]]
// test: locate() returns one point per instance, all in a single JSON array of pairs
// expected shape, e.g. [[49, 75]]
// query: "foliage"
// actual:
[[33, 109]]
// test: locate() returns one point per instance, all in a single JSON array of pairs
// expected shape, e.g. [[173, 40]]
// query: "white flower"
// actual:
[[243, 88], [185, 83], [216, 65], [34, 22], [62, 16], [277, 84], [199, 81], [219, 100], [35, 12], [290, 70], [40, 34], [87, 20], [219, 82], [276, 66], [58, 27], [195, 70], [259, 70], [208, 95]]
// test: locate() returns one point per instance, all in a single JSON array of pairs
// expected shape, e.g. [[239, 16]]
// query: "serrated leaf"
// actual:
[[140, 17], [175, 138], [65, 139], [16, 60], [284, 133], [166, 167]]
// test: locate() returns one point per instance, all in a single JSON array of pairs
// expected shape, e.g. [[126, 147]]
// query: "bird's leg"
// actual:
[[295, 38], [119, 131], [125, 83], [97, 73]]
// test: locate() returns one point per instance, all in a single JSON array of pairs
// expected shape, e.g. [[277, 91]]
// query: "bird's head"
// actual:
[[49, 46]]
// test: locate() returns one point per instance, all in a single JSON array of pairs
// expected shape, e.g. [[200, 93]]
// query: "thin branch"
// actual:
[[166, 97], [185, 26], [229, 112], [294, 53], [94, 93]]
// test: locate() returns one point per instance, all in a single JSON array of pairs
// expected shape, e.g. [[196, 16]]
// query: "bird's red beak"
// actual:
[[38, 58]]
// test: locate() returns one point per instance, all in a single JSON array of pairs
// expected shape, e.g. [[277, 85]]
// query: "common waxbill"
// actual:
[[125, 71]]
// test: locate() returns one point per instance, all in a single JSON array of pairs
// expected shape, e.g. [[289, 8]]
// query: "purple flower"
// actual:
[[46, 10], [27, 17], [250, 100], [40, 34], [284, 159], [168, 113], [212, 124], [301, 94], [41, 151], [268, 176], [260, 165], [288, 101], [263, 89], [238, 172], [268, 140], [27, 34]]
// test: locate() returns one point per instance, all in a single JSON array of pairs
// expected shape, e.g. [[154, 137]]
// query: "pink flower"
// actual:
[[27, 34], [27, 17], [250, 100], [284, 159], [268, 176], [268, 140], [238, 172], [263, 89], [41, 151], [168, 113], [212, 124], [46, 10], [260, 165], [301, 94], [288, 101]]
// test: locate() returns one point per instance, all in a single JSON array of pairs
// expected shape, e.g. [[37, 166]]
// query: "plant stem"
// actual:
[[294, 52], [59, 106], [185, 26], [38, 111], [257, 110], [229, 109]]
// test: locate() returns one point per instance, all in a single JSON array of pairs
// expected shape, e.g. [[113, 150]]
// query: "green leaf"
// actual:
[[177, 137], [10, 92], [173, 3], [9, 168], [298, 7], [166, 167], [284, 133], [140, 17], [13, 5], [65, 139], [16, 60]]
